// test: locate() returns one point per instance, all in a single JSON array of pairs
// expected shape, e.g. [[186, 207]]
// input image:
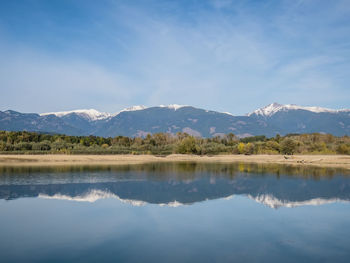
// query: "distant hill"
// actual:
[[139, 121]]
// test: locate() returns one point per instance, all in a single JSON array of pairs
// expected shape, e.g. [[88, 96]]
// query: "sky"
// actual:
[[229, 56]]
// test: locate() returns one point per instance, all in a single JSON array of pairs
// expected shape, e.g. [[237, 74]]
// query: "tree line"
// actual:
[[165, 143]]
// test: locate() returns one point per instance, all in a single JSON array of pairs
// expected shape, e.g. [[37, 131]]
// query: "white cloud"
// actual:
[[226, 61]]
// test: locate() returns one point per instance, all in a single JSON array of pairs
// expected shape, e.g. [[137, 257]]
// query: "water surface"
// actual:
[[179, 212]]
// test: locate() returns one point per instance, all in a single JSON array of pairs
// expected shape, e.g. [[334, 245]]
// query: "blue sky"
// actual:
[[222, 55]]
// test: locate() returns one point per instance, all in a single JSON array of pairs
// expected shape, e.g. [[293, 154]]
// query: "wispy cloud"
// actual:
[[223, 55], [44, 83]]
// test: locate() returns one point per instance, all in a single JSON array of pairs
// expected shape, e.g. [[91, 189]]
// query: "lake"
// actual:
[[176, 212]]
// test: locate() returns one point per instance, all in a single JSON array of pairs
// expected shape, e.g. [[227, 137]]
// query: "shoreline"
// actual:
[[339, 161]]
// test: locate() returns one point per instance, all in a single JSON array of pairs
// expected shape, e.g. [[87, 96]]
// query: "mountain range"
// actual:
[[140, 121]]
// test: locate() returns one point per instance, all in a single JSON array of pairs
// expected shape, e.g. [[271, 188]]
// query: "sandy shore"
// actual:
[[341, 161]]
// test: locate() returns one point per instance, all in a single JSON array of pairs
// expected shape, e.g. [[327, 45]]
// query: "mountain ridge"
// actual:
[[141, 120], [273, 108], [267, 110], [99, 115]]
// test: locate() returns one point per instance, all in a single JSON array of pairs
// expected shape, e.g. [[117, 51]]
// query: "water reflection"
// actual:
[[178, 184]]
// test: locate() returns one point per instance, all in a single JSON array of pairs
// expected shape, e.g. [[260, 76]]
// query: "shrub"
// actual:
[[212, 148], [240, 148], [187, 145], [23, 146], [2, 146], [288, 146], [273, 145], [343, 149], [249, 148], [41, 146]]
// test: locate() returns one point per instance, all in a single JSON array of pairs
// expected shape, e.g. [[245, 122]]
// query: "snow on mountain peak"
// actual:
[[273, 108], [135, 108], [90, 114], [142, 107], [93, 115], [268, 110], [132, 108], [173, 106]]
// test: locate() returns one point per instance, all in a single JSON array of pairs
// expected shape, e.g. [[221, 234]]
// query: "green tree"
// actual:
[[240, 148], [273, 145], [288, 146], [278, 138], [41, 146], [249, 148], [187, 145], [343, 149], [2, 146]]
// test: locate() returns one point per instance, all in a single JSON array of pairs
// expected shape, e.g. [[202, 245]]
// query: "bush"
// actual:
[[41, 146], [212, 148], [22, 146], [343, 149], [240, 147], [288, 146], [59, 145], [2, 146], [105, 146], [254, 139], [187, 145], [273, 145], [249, 148]]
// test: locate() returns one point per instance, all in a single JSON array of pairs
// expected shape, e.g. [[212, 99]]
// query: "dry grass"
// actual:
[[341, 161]]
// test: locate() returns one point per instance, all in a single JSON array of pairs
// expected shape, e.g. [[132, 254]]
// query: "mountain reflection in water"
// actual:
[[176, 184]]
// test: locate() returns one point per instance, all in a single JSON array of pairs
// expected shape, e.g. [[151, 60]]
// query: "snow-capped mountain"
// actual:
[[91, 114], [94, 115], [132, 108], [173, 106], [141, 120], [273, 108], [142, 107]]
